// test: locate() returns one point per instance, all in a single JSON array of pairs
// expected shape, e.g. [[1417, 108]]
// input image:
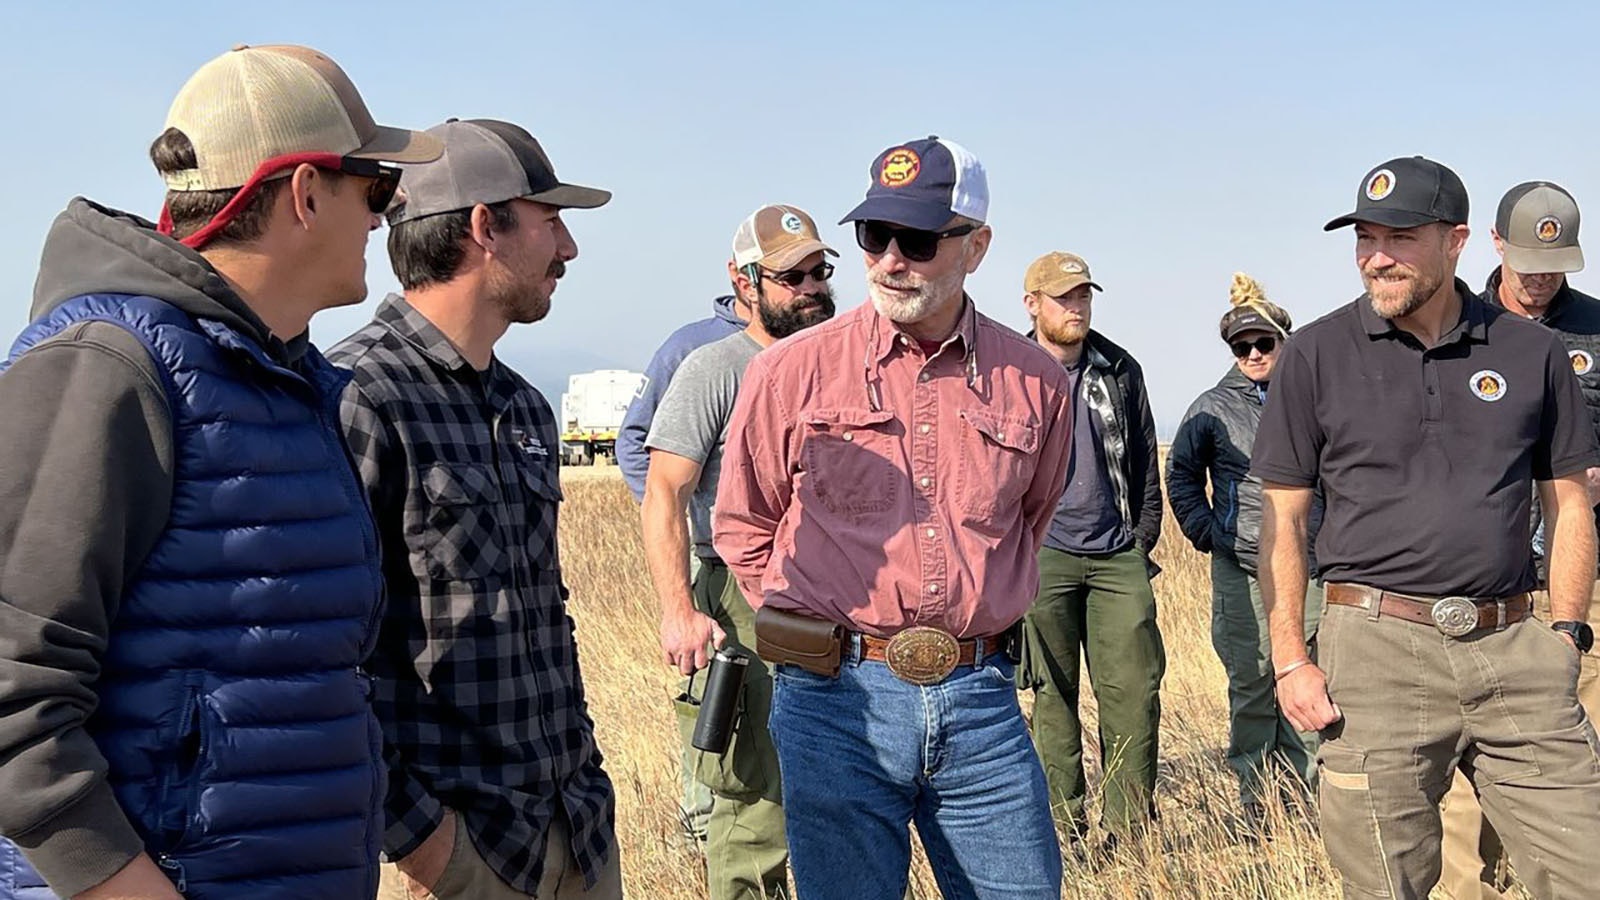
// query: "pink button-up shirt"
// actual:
[[873, 486]]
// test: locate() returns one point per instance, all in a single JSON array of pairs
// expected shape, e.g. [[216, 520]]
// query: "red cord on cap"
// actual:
[[243, 196]]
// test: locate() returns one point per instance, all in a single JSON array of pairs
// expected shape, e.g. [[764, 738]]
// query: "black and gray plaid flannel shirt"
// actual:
[[476, 668]]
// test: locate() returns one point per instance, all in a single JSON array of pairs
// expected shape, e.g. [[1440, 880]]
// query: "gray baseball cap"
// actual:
[[1538, 227], [485, 161]]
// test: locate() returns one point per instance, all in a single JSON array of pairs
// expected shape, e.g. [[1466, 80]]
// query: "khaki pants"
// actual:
[[1502, 705], [747, 856], [1474, 861], [468, 877]]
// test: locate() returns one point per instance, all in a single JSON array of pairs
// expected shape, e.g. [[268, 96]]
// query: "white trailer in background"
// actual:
[[591, 414]]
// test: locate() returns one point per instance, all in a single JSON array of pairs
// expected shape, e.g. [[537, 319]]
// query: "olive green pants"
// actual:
[[1100, 609], [1475, 866], [747, 856], [1259, 737]]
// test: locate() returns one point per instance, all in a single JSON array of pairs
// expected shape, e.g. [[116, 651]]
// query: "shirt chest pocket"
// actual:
[[541, 487], [456, 529], [851, 458], [999, 455]]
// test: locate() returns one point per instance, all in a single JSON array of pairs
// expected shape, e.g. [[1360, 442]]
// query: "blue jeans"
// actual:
[[865, 754]]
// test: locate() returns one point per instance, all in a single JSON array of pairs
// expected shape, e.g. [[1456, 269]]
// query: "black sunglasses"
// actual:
[[1266, 344], [385, 181], [795, 277], [915, 244]]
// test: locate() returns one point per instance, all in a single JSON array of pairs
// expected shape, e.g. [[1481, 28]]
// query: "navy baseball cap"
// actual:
[[1407, 192], [924, 184]]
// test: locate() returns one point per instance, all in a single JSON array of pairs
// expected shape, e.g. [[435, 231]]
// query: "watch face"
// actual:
[[1582, 635]]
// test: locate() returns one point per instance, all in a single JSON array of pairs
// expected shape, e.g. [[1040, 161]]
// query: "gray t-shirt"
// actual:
[[692, 420]]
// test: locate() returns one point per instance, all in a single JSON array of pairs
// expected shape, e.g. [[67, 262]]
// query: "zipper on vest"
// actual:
[[172, 865]]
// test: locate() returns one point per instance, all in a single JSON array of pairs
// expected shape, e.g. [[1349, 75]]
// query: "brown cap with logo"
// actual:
[[1538, 227], [253, 104], [1055, 273], [777, 237]]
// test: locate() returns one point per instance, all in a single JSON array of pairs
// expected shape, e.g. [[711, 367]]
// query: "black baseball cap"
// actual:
[[1407, 192]]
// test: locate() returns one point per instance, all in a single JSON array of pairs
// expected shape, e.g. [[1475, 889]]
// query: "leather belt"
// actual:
[[924, 655], [1452, 616]]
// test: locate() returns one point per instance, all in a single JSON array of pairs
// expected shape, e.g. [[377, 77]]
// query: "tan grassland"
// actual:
[[1197, 853]]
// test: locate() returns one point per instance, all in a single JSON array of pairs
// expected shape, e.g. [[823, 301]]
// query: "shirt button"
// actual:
[[926, 481], [923, 377], [933, 588], [999, 435], [925, 428], [931, 532], [905, 341], [849, 435]]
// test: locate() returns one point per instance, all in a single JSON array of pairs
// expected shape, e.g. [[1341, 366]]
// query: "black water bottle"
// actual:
[[713, 727]]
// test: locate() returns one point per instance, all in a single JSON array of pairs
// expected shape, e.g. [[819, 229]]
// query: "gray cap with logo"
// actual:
[[1538, 227], [485, 161]]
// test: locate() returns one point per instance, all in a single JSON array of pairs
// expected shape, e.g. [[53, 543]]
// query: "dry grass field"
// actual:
[[1196, 853]]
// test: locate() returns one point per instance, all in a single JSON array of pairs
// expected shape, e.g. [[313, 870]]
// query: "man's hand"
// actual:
[[140, 879], [424, 865], [1594, 486], [684, 638], [1303, 697]]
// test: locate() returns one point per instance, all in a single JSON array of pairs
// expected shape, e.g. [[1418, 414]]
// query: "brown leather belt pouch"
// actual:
[[789, 638]]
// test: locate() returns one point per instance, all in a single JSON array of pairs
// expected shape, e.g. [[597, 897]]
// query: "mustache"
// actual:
[[903, 284]]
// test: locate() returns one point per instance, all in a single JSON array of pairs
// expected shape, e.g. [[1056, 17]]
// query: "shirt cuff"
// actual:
[[84, 844], [1278, 475], [413, 815]]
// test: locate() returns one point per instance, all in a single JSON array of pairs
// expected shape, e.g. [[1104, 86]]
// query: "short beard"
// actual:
[[1388, 302], [926, 296], [804, 312], [523, 304], [1064, 335]]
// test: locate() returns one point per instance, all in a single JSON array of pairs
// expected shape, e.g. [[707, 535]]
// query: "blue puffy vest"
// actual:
[[233, 710]]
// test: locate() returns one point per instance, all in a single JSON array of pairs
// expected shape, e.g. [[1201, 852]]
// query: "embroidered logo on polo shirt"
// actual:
[[528, 443], [1582, 362], [900, 168], [1547, 229], [1489, 385], [1380, 185]]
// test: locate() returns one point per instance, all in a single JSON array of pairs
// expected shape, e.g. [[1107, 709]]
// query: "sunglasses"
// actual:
[[915, 244], [380, 193], [1266, 344], [793, 278], [385, 181]]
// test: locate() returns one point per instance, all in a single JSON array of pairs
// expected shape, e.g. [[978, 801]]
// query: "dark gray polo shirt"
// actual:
[[1426, 455]]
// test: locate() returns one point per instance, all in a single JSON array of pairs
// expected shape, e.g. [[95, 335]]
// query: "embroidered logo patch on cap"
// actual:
[[1380, 185], [1488, 385], [900, 168], [1547, 229], [1072, 267], [792, 224]]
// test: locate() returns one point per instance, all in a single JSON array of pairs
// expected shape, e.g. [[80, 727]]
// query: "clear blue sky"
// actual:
[[1170, 144]]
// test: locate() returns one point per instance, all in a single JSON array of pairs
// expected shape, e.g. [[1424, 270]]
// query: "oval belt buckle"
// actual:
[[922, 655], [1455, 616]]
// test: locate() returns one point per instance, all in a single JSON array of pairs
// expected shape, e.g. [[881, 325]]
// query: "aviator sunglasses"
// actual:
[[1266, 344], [915, 244], [793, 278]]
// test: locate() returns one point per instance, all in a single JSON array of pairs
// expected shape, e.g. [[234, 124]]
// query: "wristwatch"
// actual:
[[1580, 632]]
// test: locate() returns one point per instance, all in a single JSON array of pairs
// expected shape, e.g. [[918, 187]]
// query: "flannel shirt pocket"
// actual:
[[459, 538]]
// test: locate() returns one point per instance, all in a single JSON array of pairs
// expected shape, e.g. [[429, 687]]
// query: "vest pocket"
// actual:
[[181, 787]]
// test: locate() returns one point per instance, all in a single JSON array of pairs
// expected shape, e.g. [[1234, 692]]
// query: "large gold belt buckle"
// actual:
[[922, 655], [1455, 616]]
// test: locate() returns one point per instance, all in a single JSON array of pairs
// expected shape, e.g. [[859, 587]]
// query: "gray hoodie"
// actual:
[[86, 483]]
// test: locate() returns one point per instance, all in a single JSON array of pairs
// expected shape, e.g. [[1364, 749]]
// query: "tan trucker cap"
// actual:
[[1055, 273], [777, 237], [253, 104], [1538, 226]]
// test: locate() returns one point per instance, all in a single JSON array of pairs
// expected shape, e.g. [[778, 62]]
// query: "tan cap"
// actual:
[[1055, 273], [253, 104], [777, 237], [1538, 226]]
